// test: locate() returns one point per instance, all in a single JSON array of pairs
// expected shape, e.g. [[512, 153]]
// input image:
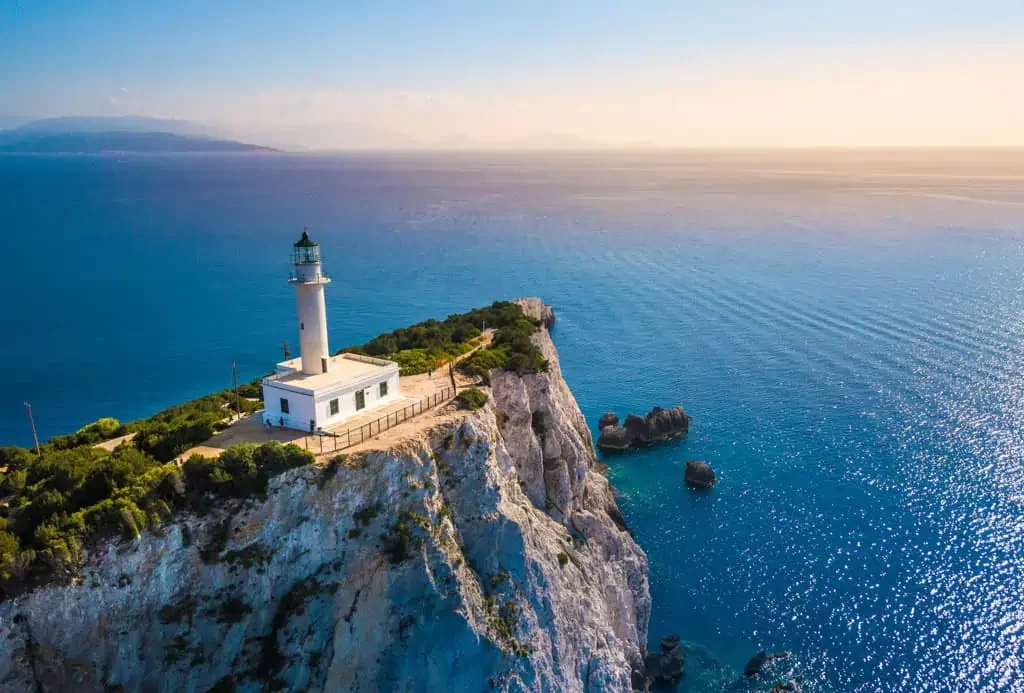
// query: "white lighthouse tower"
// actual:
[[309, 281], [317, 390]]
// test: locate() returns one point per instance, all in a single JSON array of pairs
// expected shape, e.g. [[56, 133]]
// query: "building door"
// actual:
[[360, 400]]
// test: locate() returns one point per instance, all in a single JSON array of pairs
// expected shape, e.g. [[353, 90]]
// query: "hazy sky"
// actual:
[[710, 73]]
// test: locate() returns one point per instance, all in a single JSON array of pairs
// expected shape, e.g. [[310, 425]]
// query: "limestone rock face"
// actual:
[[483, 554]]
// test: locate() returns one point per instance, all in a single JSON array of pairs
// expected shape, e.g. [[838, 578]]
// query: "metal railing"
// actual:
[[342, 440]]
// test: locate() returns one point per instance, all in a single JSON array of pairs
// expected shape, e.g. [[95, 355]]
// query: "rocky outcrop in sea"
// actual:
[[660, 425], [484, 554], [699, 474]]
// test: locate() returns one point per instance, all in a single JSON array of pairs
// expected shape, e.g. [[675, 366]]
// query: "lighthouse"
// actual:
[[309, 280], [317, 391]]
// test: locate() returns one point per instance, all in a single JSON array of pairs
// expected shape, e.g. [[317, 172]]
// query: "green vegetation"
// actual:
[[563, 559], [511, 348], [231, 610], [96, 432], [471, 399], [252, 390], [401, 541], [365, 514], [55, 504], [242, 470], [168, 433], [431, 343]]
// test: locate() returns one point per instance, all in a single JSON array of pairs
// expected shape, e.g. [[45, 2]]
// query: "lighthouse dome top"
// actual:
[[305, 241], [307, 251]]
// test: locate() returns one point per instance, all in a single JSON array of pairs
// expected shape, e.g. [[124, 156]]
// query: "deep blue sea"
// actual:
[[847, 330]]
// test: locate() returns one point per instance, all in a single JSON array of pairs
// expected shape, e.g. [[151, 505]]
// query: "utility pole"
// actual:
[[32, 421], [234, 386]]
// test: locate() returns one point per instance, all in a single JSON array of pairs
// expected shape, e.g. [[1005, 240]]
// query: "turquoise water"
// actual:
[[847, 332]]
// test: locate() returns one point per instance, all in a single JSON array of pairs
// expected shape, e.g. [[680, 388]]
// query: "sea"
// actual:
[[846, 329]]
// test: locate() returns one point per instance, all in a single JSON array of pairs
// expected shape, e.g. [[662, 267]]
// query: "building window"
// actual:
[[384, 389], [284, 406], [360, 400], [334, 407]]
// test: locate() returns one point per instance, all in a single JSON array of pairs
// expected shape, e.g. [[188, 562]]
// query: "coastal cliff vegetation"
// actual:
[[52, 505], [428, 344]]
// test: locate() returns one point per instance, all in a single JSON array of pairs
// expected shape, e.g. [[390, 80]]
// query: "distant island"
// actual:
[[96, 135]]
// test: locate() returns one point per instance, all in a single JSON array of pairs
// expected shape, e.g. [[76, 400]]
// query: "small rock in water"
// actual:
[[756, 663], [666, 665], [700, 474], [609, 418], [792, 686]]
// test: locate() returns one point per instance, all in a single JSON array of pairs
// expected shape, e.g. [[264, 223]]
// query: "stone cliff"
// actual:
[[485, 553]]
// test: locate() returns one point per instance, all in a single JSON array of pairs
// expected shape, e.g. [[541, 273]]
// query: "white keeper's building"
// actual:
[[318, 390]]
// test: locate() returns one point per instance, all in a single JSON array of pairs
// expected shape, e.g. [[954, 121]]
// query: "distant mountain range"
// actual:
[[90, 135]]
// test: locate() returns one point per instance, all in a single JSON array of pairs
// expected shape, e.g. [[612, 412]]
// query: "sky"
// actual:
[[398, 74]]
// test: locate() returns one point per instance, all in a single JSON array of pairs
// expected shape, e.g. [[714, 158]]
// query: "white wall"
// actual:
[[312, 327], [302, 407], [347, 401]]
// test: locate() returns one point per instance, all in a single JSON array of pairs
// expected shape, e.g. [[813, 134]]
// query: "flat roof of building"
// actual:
[[342, 369]]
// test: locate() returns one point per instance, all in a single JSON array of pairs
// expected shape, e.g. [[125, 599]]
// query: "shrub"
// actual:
[[538, 422], [170, 432], [426, 345], [471, 399], [96, 432], [563, 559], [253, 390], [483, 362], [68, 497]]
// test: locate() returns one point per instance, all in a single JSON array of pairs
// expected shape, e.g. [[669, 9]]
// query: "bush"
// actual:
[[96, 432], [431, 343], [69, 497], [170, 432], [253, 390], [471, 399]]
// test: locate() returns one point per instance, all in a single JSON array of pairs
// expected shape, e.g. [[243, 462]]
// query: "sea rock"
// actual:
[[794, 685], [308, 588], [609, 418], [699, 474], [665, 667], [658, 426], [756, 663]]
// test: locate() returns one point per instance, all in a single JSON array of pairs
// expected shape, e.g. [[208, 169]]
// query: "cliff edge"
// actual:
[[484, 553]]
